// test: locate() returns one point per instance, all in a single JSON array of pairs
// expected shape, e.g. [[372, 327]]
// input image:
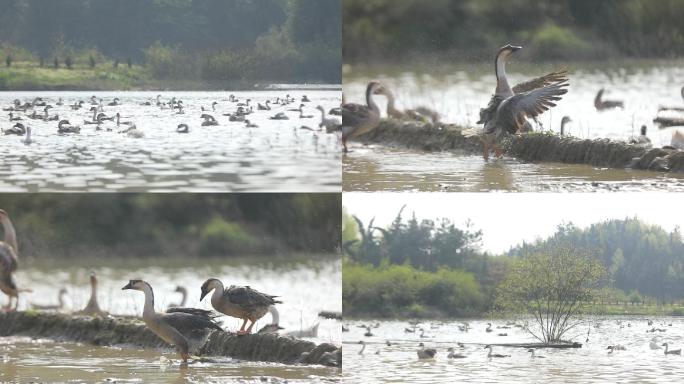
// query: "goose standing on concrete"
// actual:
[[601, 104], [426, 353], [274, 326], [358, 119], [509, 108], [185, 328], [642, 139], [242, 302], [93, 307], [9, 255]]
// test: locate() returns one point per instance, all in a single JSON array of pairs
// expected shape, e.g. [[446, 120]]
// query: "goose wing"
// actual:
[[353, 115], [8, 259], [188, 323], [249, 298], [514, 110], [542, 81]]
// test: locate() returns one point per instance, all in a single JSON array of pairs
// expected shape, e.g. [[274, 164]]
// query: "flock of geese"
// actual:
[[508, 112], [239, 111], [184, 328], [424, 352]]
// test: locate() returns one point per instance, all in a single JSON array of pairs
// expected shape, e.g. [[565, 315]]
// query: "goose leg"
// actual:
[[242, 328], [249, 329], [498, 151], [485, 151], [344, 144]]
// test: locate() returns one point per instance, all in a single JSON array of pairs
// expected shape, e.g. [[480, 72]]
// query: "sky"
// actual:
[[508, 219]]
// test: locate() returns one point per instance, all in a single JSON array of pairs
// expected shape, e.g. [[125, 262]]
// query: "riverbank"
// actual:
[[112, 330]]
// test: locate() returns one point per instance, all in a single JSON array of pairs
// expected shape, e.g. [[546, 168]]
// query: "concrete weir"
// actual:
[[106, 331], [534, 147]]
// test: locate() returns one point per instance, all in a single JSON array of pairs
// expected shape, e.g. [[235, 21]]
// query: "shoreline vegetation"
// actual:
[[193, 45], [380, 31], [434, 270]]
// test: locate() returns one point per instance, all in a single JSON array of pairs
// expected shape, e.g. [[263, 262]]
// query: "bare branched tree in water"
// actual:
[[552, 286]]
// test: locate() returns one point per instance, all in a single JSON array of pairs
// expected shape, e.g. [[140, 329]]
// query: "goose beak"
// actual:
[[515, 48], [204, 293], [127, 286]]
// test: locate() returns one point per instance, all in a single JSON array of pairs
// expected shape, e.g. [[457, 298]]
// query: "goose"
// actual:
[[329, 124], [114, 103], [65, 127], [245, 104], [12, 118], [248, 124], [368, 332], [345, 329], [306, 332], [60, 299], [613, 348], [184, 296], [653, 344], [303, 116], [118, 120], [182, 128], [601, 104], [242, 302], [677, 140], [38, 102], [509, 108], [60, 102], [185, 328], [209, 120], [426, 353], [305, 99], [301, 107], [409, 330], [420, 113], [359, 119], [213, 107], [94, 119], [335, 111], [533, 356], [564, 121], [28, 140], [279, 116], [236, 117], [93, 307], [133, 131], [363, 347], [490, 354], [9, 256], [642, 139], [266, 107], [671, 352], [422, 334], [77, 105], [18, 129], [274, 326], [489, 327], [93, 100], [454, 355]]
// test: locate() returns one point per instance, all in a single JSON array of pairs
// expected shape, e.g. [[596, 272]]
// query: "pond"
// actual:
[[277, 156], [42, 360], [399, 363], [459, 91]]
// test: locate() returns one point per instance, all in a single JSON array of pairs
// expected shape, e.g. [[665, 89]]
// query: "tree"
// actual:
[[8, 61], [553, 287], [91, 61], [68, 62]]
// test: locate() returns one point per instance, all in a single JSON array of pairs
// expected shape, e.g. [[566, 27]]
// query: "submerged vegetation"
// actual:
[[426, 268], [206, 44], [127, 226], [385, 30]]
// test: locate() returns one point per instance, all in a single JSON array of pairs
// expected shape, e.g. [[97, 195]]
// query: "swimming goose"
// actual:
[[248, 124], [93, 307], [182, 128], [359, 119], [613, 348], [671, 352], [303, 116], [65, 127], [601, 104], [489, 327], [329, 124], [279, 116], [60, 102], [533, 356], [12, 118], [301, 107], [242, 302], [510, 107], [133, 131], [274, 326], [77, 105], [94, 119], [642, 139], [490, 354], [266, 107], [653, 344], [18, 129], [363, 347], [368, 332], [185, 328], [9, 255], [184, 297], [60, 300], [426, 353], [209, 120], [305, 99], [114, 103], [454, 355]]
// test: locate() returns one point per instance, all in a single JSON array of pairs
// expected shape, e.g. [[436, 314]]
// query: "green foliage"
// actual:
[[553, 286], [221, 236], [8, 61], [400, 290]]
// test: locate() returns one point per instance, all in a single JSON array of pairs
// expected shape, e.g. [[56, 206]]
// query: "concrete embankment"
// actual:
[[106, 331], [534, 147]]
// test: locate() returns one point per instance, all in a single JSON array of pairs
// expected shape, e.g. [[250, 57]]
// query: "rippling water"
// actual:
[[292, 282], [458, 94], [277, 156], [591, 363]]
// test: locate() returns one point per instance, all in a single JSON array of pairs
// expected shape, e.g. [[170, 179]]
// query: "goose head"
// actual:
[[137, 285], [506, 51], [209, 286]]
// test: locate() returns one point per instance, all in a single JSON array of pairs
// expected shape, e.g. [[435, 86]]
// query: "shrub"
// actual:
[[68, 62]]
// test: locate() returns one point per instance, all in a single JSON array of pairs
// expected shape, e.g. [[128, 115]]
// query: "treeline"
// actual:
[[471, 30], [432, 268], [279, 40], [641, 259], [173, 225]]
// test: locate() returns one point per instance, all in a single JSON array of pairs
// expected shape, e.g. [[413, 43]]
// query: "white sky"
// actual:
[[509, 218]]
